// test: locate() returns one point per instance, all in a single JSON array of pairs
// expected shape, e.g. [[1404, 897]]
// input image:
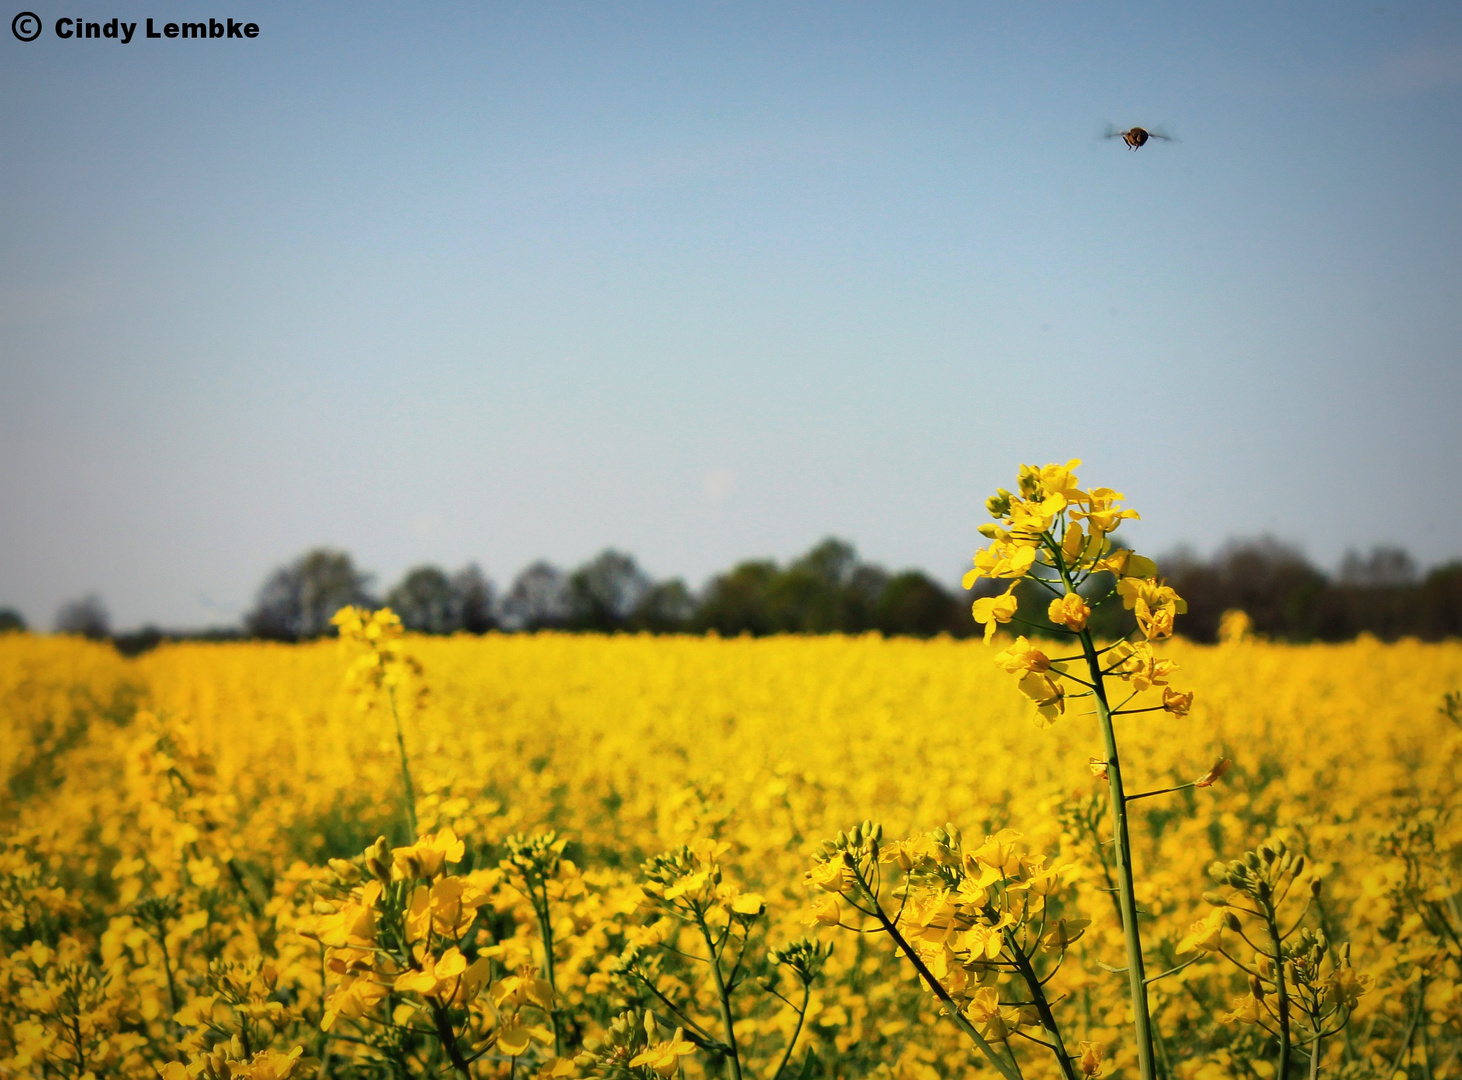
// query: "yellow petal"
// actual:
[[748, 904]]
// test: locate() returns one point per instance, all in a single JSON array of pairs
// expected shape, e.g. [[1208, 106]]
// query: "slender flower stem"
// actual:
[[723, 995], [1043, 1007], [792, 1042], [1006, 1069], [1281, 989], [545, 930], [1159, 791], [448, 1038], [1126, 892], [405, 768]]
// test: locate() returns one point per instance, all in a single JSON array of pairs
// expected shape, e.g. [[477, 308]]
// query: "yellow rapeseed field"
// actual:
[[222, 777], [790, 857]]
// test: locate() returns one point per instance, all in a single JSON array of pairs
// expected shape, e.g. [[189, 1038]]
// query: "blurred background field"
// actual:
[[221, 773]]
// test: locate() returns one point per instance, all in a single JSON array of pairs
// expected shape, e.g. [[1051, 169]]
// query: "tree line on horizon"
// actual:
[[828, 589]]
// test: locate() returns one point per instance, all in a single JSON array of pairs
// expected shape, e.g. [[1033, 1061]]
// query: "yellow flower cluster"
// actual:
[[206, 870]]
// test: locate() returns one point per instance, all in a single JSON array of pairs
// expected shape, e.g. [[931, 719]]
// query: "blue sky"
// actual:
[[713, 281]]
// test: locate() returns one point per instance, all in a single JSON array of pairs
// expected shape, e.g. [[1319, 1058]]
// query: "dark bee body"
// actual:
[[1136, 137]]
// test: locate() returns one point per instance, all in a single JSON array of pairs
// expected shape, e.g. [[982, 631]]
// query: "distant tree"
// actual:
[[737, 601], [87, 617], [297, 601], [912, 604], [11, 620], [473, 602], [1110, 620], [423, 601], [864, 588], [667, 608], [1384, 567], [538, 600], [136, 642], [1273, 582], [827, 590], [604, 592], [1439, 602]]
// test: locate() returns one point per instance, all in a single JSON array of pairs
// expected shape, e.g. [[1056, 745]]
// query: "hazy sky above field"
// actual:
[[712, 281]]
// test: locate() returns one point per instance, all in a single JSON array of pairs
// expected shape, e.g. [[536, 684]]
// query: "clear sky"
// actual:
[[712, 281]]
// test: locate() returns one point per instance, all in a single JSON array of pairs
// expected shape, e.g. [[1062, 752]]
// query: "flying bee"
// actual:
[[1136, 137]]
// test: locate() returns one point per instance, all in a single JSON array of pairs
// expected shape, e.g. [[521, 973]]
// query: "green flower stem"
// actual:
[[405, 769], [723, 996], [545, 930], [1126, 892], [447, 1035], [792, 1042], [1005, 1068], [1043, 1007], [1271, 920], [167, 967]]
